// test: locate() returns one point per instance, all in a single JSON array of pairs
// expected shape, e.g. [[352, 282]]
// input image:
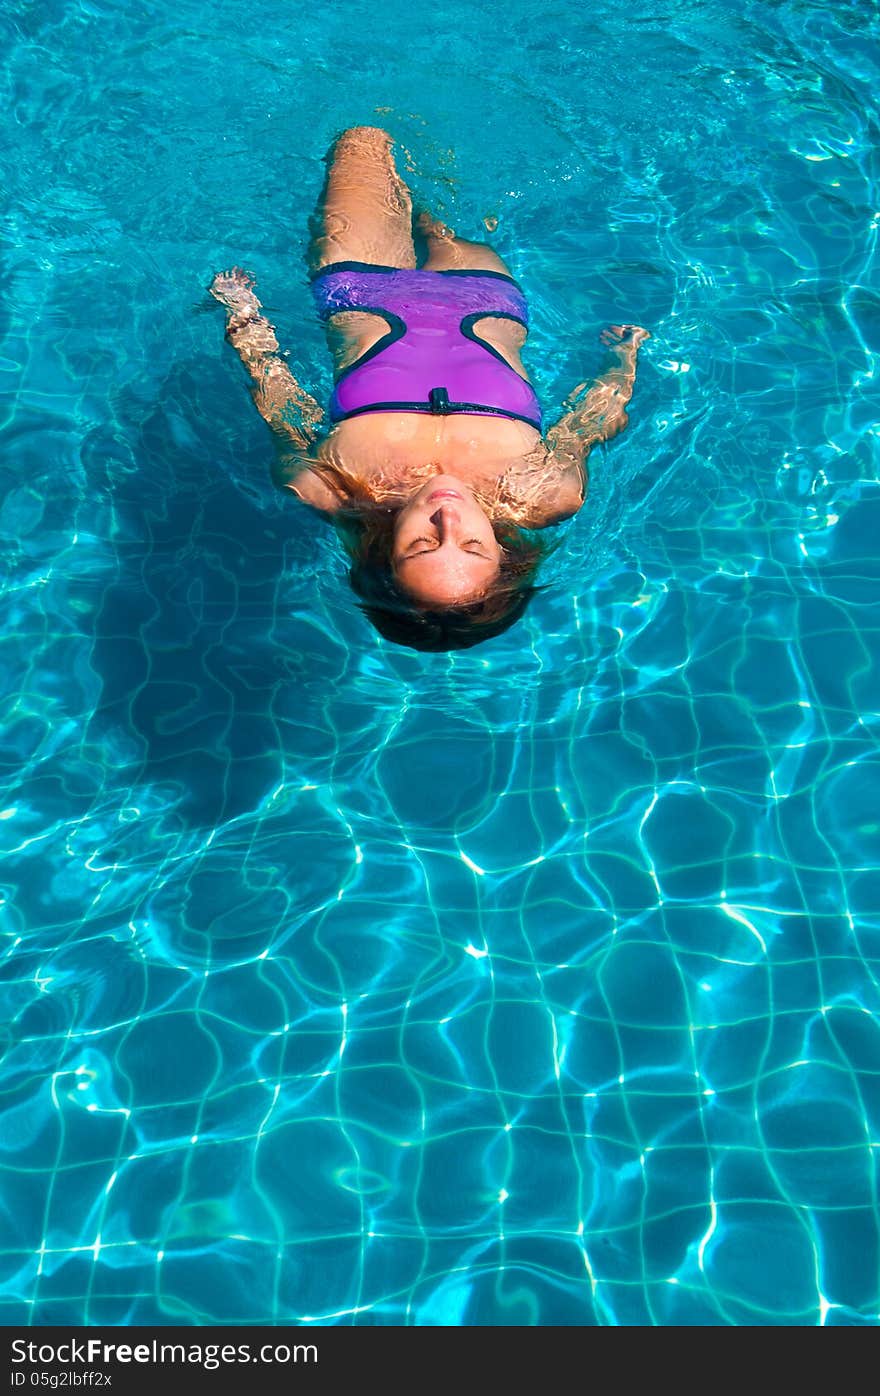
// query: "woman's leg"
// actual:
[[365, 210], [446, 252]]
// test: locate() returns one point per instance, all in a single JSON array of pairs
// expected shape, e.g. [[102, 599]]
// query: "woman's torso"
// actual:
[[384, 456]]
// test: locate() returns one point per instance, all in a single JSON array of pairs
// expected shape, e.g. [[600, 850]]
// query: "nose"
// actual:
[[444, 519]]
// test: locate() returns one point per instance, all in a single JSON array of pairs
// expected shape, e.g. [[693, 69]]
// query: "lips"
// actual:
[[443, 494]]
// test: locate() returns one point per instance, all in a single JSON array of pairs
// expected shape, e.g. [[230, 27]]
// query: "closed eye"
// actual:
[[473, 546], [432, 545]]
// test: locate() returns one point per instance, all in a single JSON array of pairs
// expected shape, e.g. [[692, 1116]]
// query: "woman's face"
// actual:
[[445, 552]]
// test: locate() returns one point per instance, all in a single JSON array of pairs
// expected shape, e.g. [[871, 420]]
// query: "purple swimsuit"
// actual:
[[430, 360]]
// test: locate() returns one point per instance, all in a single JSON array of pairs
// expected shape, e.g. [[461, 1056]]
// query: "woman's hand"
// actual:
[[234, 289], [624, 336], [279, 399]]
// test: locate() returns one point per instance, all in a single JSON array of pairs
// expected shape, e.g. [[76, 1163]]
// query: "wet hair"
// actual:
[[368, 536]]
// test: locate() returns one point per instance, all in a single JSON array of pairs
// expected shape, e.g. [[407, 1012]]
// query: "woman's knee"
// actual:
[[362, 138]]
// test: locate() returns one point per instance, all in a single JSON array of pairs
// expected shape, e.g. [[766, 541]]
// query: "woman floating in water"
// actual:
[[433, 467]]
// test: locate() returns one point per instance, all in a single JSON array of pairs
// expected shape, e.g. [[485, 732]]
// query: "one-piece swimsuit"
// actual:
[[430, 360]]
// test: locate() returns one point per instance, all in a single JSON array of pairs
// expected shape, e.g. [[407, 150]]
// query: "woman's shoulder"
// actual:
[[305, 478], [542, 492]]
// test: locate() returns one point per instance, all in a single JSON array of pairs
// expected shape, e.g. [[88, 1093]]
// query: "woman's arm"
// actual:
[[291, 412], [596, 415]]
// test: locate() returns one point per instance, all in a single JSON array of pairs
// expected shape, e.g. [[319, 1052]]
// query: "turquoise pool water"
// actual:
[[532, 984]]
